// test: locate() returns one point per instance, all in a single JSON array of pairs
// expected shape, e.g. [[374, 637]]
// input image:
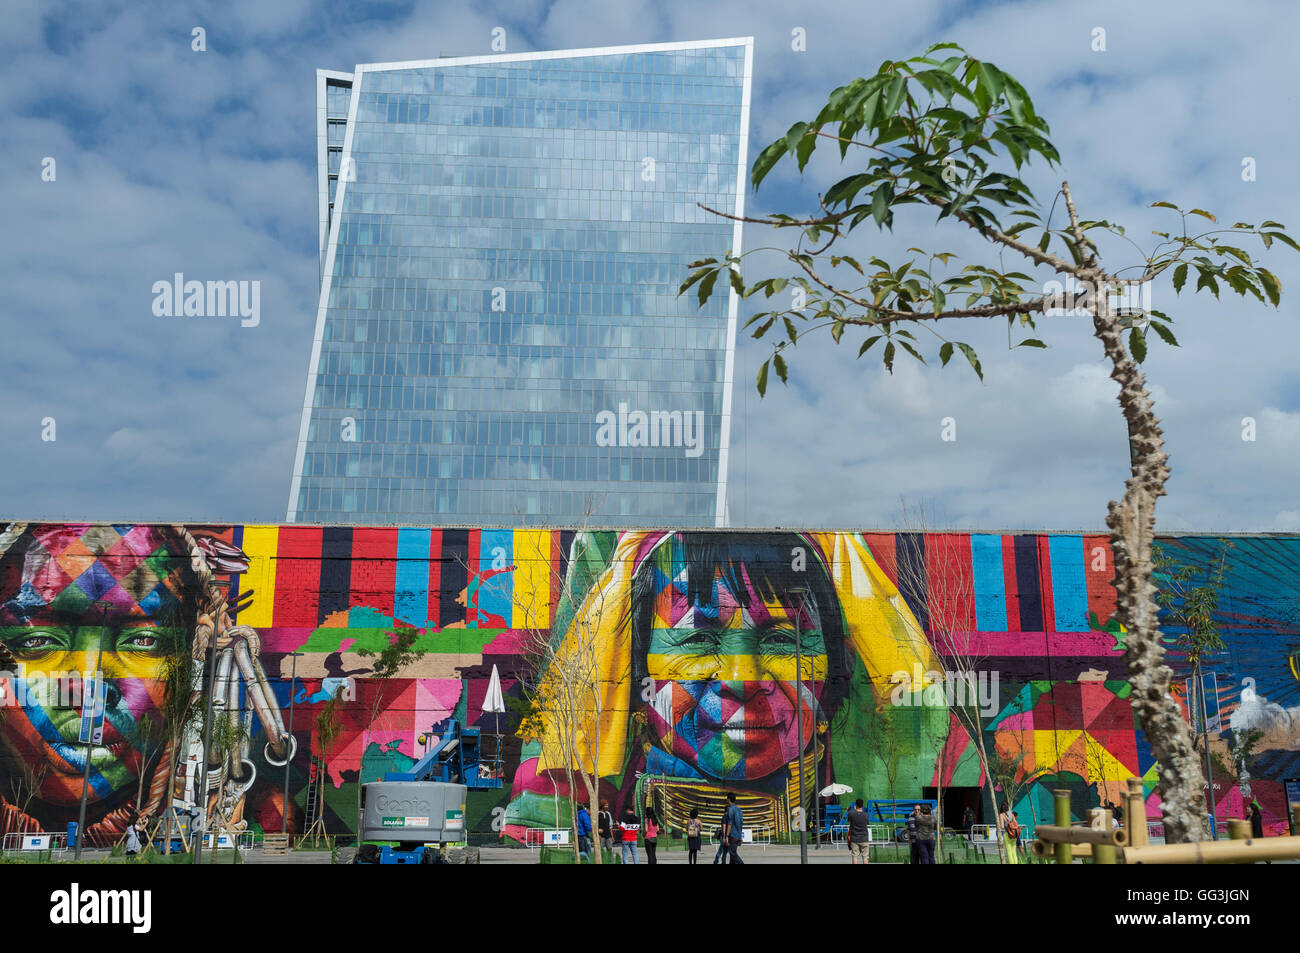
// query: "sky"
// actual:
[[167, 159]]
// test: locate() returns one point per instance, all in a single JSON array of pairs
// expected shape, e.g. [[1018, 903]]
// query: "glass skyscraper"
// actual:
[[499, 338]]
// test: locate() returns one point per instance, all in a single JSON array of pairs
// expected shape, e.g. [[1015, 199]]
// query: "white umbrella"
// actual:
[[833, 790], [495, 703]]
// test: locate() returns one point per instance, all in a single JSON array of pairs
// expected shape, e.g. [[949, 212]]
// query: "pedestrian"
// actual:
[[925, 829], [968, 823], [859, 834], [721, 834], [629, 825], [605, 827], [913, 855], [1256, 820], [133, 837], [651, 834], [694, 832], [584, 833], [1009, 828], [734, 822]]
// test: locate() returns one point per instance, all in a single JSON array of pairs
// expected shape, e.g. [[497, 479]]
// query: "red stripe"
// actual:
[[1009, 583], [1045, 584], [884, 548], [435, 576], [951, 582], [1101, 594], [475, 541], [374, 568], [297, 576]]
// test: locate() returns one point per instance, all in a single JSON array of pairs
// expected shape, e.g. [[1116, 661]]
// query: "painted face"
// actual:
[[723, 672], [49, 621]]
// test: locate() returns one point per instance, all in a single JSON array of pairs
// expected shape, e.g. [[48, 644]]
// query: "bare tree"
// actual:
[[568, 693]]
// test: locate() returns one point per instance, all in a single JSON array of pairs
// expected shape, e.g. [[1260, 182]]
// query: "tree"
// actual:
[[1188, 597], [566, 697], [388, 663], [952, 134], [25, 782], [181, 717]]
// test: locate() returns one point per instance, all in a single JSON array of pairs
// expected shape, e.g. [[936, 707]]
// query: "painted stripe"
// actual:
[[1045, 584], [260, 545], [435, 577], [297, 576], [1010, 584], [1099, 568], [531, 608], [455, 561], [495, 593], [884, 550], [335, 571], [374, 568], [1027, 583], [1069, 583], [987, 579], [912, 583], [951, 604], [411, 577]]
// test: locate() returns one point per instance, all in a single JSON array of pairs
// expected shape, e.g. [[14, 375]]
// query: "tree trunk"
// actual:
[[1132, 523]]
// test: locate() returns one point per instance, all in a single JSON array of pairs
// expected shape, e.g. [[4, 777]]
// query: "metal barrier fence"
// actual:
[[37, 843]]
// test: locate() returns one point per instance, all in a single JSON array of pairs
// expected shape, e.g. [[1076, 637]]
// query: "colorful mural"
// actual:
[[694, 693]]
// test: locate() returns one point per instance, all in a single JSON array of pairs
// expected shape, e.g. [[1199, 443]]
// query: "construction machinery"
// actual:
[[412, 816]]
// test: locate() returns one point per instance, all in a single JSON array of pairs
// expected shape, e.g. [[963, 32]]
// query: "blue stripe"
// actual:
[[990, 585], [496, 595], [411, 598], [1069, 583]]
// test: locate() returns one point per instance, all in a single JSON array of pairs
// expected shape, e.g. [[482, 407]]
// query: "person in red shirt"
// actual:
[[629, 824]]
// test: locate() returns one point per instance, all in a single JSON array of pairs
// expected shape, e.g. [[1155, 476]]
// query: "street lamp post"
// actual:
[[293, 677], [798, 708], [202, 792], [103, 605]]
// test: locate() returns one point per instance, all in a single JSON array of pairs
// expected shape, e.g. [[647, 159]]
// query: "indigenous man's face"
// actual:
[[50, 623], [723, 672]]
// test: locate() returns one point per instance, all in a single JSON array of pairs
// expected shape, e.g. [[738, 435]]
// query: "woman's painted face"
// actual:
[[723, 676], [49, 621]]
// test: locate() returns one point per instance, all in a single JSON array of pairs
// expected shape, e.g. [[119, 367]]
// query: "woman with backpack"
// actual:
[[1010, 828], [694, 834]]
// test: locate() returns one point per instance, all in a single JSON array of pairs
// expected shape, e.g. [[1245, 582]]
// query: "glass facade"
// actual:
[[500, 339]]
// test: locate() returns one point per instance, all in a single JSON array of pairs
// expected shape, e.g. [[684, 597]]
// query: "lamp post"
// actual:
[[798, 709], [103, 605], [288, 755], [202, 792]]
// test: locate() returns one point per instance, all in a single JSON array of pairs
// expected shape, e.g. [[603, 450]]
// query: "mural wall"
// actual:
[[691, 687]]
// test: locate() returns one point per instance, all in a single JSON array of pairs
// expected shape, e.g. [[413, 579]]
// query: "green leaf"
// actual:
[[866, 345], [1031, 342], [779, 363], [895, 96], [1284, 238], [1207, 281], [1166, 335], [1272, 286], [706, 286], [880, 204], [1137, 345], [737, 284], [945, 353], [1180, 277], [889, 357], [765, 161], [972, 358], [762, 379], [1164, 205], [837, 331], [790, 331], [1044, 242], [1204, 214]]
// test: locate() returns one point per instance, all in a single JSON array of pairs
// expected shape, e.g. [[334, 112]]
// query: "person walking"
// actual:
[[859, 834], [605, 828], [913, 855], [968, 823], [584, 833], [651, 834], [629, 825], [694, 834], [925, 830], [721, 833], [734, 822], [1009, 827], [133, 837], [1256, 822]]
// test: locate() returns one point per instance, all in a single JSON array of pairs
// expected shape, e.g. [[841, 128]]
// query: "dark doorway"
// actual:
[[955, 802]]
